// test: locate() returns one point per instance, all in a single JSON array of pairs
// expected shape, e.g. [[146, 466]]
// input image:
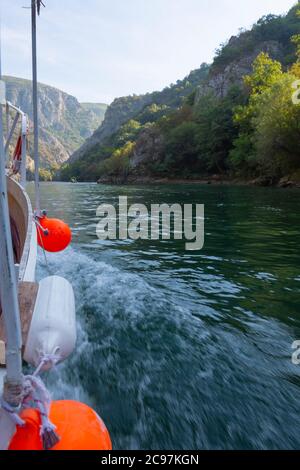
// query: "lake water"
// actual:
[[185, 350]]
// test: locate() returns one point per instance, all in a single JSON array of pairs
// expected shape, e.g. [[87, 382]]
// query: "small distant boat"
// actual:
[[74, 180], [37, 320]]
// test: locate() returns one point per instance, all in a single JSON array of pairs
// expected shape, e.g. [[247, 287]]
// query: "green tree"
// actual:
[[266, 73], [216, 129], [45, 175], [182, 149], [118, 164], [277, 129], [296, 40]]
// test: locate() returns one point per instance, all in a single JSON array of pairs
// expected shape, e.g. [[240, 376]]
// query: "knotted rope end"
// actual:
[[49, 436]]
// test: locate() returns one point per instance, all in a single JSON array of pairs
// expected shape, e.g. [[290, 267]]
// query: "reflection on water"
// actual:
[[184, 350]]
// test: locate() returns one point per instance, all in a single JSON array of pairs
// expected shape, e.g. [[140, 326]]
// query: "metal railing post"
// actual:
[[13, 384], [35, 107], [24, 155]]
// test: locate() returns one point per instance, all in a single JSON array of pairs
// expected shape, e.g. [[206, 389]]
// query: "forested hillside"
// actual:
[[128, 107], [237, 119]]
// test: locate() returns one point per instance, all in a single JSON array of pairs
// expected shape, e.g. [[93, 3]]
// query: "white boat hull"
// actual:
[[21, 211], [52, 331]]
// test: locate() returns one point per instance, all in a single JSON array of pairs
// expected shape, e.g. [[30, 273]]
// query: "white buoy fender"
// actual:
[[52, 331]]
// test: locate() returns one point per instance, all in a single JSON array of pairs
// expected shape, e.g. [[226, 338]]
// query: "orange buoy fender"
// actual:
[[78, 426], [54, 235]]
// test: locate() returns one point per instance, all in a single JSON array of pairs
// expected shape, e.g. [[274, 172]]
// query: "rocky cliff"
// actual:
[[148, 150], [64, 122], [188, 128], [149, 147], [221, 80], [126, 108]]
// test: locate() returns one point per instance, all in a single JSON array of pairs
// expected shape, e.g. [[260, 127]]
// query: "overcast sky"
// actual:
[[97, 50]]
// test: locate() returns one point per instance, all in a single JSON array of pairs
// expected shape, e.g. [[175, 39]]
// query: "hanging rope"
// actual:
[[41, 230], [12, 412], [35, 392], [48, 361]]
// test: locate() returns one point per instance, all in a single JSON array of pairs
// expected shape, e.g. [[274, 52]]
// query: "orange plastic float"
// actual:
[[54, 235], [78, 426]]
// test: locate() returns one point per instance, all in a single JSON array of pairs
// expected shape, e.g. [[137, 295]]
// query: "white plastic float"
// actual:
[[52, 331]]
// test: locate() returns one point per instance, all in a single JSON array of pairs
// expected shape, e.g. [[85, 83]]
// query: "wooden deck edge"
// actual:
[[27, 298]]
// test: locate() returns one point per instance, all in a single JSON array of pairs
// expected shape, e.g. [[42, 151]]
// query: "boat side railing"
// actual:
[[22, 119]]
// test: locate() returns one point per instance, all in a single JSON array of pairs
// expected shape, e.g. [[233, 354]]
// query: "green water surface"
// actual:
[[185, 350]]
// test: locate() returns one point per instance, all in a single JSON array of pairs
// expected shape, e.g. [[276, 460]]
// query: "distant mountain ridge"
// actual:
[[190, 129], [64, 122], [125, 108]]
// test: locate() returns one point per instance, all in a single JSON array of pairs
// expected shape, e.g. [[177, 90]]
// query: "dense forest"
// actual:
[[251, 131]]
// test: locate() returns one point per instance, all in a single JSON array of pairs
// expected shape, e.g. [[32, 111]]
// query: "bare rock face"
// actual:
[[219, 82], [64, 122], [149, 148], [150, 144], [289, 182]]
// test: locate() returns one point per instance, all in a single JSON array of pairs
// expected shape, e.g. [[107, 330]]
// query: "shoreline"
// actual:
[[213, 181]]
